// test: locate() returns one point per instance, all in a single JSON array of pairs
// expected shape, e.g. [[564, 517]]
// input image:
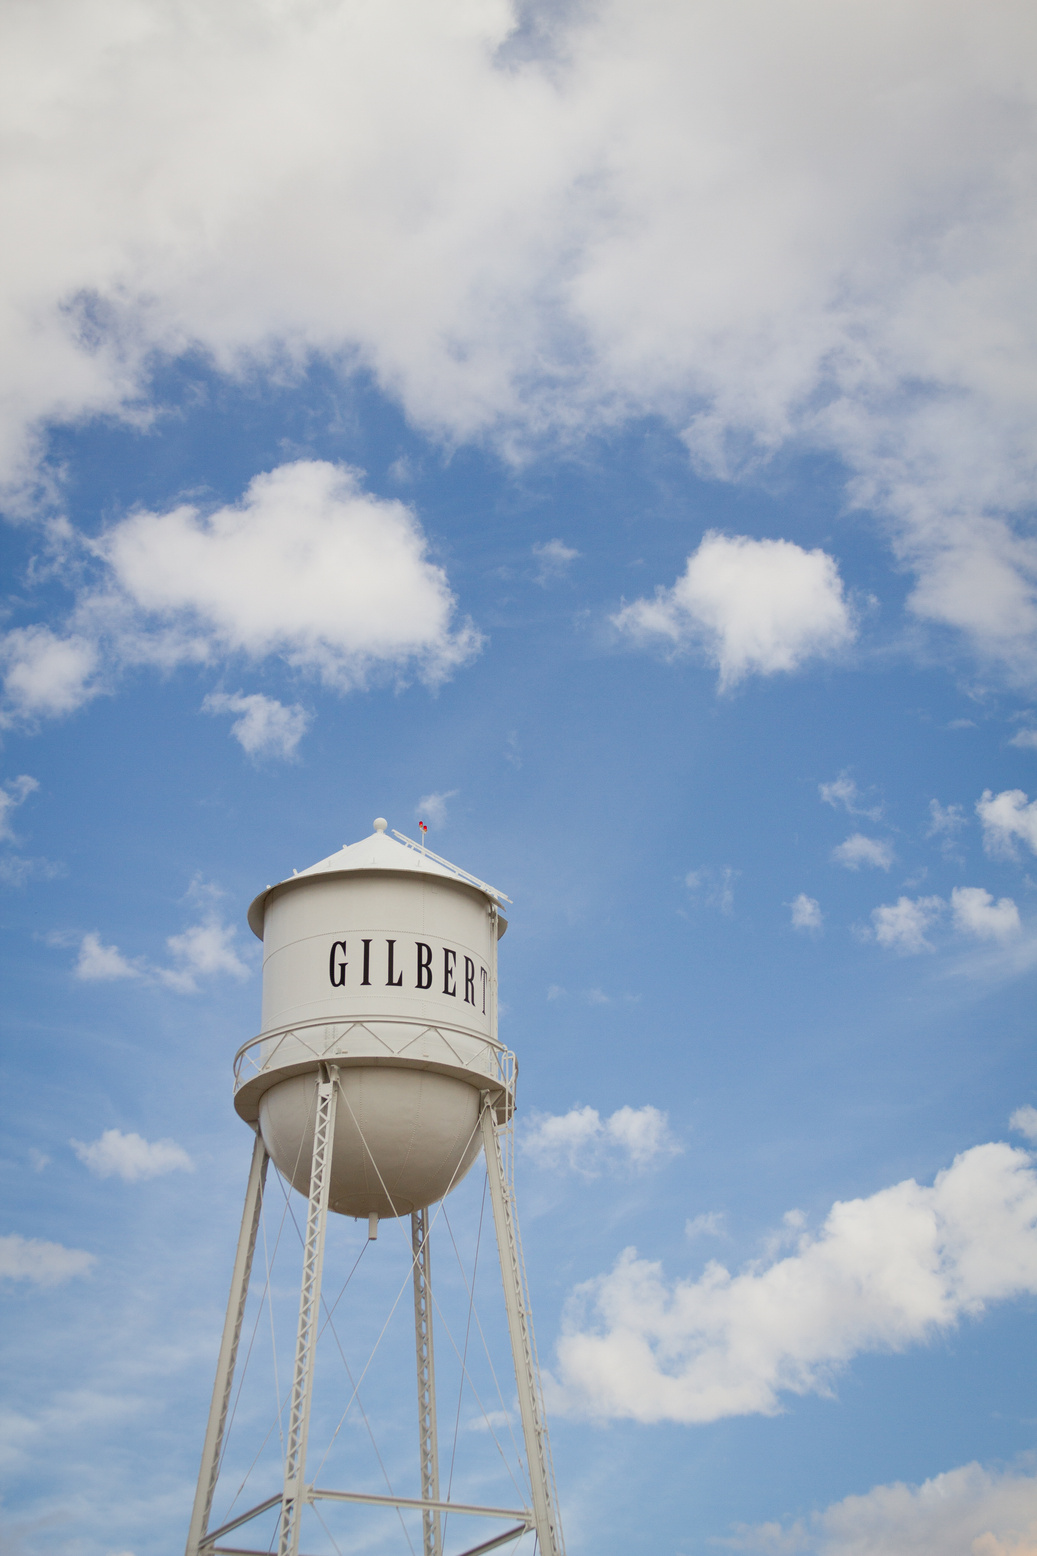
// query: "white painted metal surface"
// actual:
[[375, 1081], [379, 959]]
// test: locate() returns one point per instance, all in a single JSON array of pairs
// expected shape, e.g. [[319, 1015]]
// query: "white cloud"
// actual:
[[587, 1143], [307, 567], [555, 559], [432, 808], [945, 820], [264, 726], [901, 926], [755, 606], [710, 1223], [45, 1264], [806, 912], [131, 1157], [844, 791], [716, 888], [969, 1511], [858, 850], [46, 675], [883, 1273], [692, 213], [976, 913], [202, 950], [99, 963], [1024, 1119], [15, 870], [1026, 739], [13, 794], [1004, 818]]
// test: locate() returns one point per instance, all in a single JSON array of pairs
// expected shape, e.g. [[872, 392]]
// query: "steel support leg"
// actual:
[[309, 1314], [428, 1447], [523, 1345], [211, 1452]]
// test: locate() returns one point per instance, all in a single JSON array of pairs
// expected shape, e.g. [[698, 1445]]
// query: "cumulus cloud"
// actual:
[[46, 675], [1025, 739], [1006, 818], [706, 215], [100, 963], [858, 850], [433, 807], [753, 606], [806, 913], [308, 568], [903, 925], [555, 559], [969, 1511], [586, 1143], [1024, 1119], [44, 1264], [976, 913], [882, 1273], [131, 1157], [262, 725]]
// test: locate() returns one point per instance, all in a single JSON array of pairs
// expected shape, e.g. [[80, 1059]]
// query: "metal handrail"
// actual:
[[506, 1064]]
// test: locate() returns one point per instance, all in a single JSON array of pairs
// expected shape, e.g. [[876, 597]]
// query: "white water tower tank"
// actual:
[[382, 962]]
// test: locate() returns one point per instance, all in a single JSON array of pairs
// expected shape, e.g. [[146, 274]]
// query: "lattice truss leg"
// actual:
[[541, 1519], [428, 1446]]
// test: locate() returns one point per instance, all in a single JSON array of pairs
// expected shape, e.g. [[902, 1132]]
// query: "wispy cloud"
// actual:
[[588, 1144], [843, 793], [204, 949], [262, 726], [40, 1263], [714, 888], [432, 808], [12, 794], [555, 559]]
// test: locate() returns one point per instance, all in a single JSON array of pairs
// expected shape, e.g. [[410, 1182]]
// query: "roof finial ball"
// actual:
[[380, 823]]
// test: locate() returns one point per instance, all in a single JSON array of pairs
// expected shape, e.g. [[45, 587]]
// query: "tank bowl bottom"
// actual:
[[404, 1137]]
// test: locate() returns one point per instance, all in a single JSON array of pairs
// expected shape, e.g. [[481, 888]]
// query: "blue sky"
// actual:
[[604, 433]]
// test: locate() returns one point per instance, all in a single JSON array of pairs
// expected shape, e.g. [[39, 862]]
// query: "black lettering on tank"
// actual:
[[424, 966], [392, 982], [484, 975], [469, 981], [449, 958], [367, 962], [337, 970]]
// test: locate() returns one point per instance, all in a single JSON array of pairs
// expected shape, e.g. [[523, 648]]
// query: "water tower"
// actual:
[[376, 1081]]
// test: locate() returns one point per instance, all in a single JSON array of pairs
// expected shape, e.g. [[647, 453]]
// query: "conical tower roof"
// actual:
[[377, 852]]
